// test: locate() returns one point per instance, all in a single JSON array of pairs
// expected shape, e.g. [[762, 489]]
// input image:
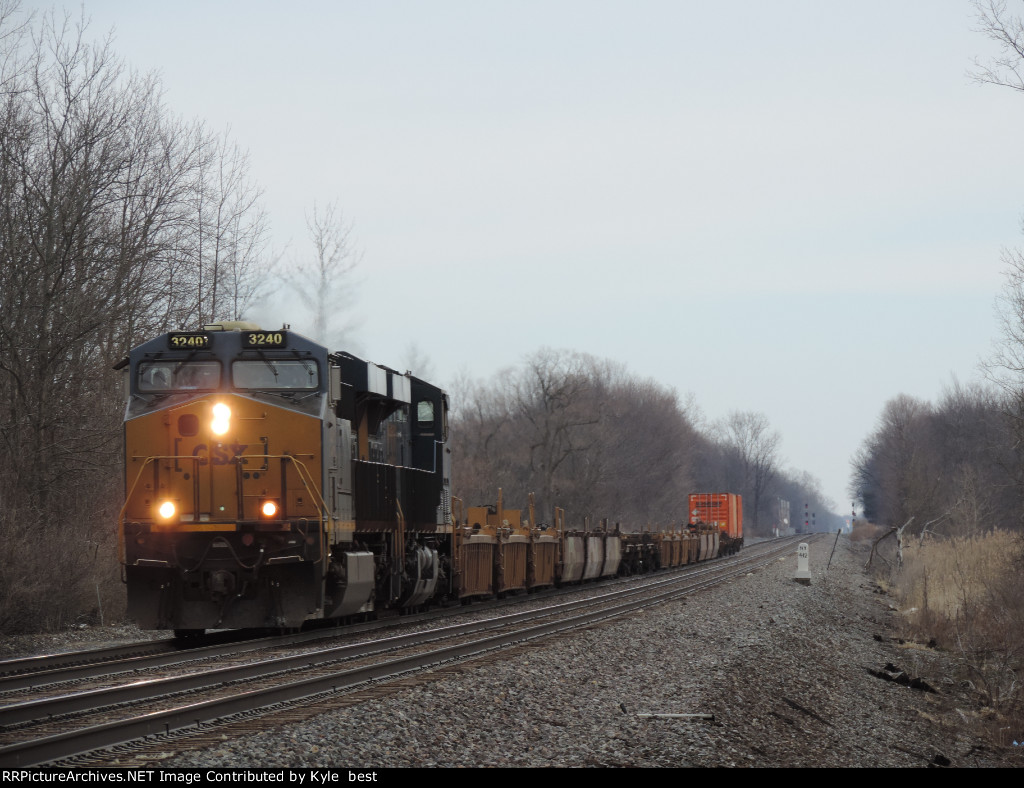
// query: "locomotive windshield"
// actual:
[[278, 374], [164, 377], [169, 376]]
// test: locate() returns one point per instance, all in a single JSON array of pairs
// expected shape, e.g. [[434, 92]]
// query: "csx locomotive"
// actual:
[[269, 482]]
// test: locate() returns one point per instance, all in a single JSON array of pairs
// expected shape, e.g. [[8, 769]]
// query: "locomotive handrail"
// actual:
[[121, 554], [304, 475], [399, 531], [307, 482], [456, 515], [560, 530]]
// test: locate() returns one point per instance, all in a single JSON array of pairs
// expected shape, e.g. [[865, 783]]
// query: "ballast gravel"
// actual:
[[783, 668], [774, 673]]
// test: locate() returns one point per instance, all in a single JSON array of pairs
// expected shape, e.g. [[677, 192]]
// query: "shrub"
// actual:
[[964, 593]]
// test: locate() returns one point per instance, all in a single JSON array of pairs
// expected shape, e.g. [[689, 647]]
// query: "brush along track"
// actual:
[[295, 694]]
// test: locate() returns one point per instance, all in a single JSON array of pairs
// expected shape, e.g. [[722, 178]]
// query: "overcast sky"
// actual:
[[795, 207]]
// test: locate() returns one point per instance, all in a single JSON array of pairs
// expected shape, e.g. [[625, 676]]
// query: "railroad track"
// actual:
[[75, 666], [27, 672], [58, 724], [138, 657]]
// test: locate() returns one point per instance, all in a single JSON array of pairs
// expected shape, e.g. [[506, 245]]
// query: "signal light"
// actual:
[[167, 510]]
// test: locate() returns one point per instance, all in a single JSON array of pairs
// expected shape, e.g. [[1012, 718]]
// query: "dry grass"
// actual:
[[50, 581], [863, 531], [964, 594]]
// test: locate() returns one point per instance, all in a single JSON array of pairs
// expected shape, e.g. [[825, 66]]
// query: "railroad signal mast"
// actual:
[[810, 526]]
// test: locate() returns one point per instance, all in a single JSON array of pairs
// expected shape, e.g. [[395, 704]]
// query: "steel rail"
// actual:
[[108, 734], [33, 672], [148, 689], [10, 669], [233, 644]]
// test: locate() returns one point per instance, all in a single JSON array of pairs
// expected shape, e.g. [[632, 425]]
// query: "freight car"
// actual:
[[720, 516], [269, 482]]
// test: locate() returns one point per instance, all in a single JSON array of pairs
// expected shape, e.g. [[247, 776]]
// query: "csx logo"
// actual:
[[220, 454]]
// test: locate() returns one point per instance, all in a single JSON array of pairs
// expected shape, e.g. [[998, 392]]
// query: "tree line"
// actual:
[[586, 435], [950, 466]]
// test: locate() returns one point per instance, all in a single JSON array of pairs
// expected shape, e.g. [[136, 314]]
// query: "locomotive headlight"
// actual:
[[221, 419], [268, 509], [167, 510]]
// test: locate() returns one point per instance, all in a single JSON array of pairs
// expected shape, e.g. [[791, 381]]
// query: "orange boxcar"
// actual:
[[723, 511]]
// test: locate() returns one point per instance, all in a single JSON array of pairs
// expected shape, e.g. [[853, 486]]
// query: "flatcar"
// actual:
[[270, 482]]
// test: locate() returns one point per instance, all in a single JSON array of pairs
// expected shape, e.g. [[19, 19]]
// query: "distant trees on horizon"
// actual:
[[586, 435]]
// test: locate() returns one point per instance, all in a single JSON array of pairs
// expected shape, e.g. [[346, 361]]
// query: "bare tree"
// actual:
[[584, 434], [95, 181], [13, 32], [647, 451], [581, 433], [952, 465], [1006, 367], [552, 400], [753, 448], [1007, 30], [485, 451], [229, 231], [66, 155], [324, 281], [895, 463]]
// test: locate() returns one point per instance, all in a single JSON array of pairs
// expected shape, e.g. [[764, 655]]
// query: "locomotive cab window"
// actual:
[[168, 376], [425, 414], [276, 374]]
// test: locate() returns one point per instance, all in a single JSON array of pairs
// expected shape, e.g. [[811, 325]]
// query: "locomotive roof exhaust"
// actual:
[[232, 325]]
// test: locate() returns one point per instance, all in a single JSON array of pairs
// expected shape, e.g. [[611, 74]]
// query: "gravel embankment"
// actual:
[[81, 638], [783, 668]]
